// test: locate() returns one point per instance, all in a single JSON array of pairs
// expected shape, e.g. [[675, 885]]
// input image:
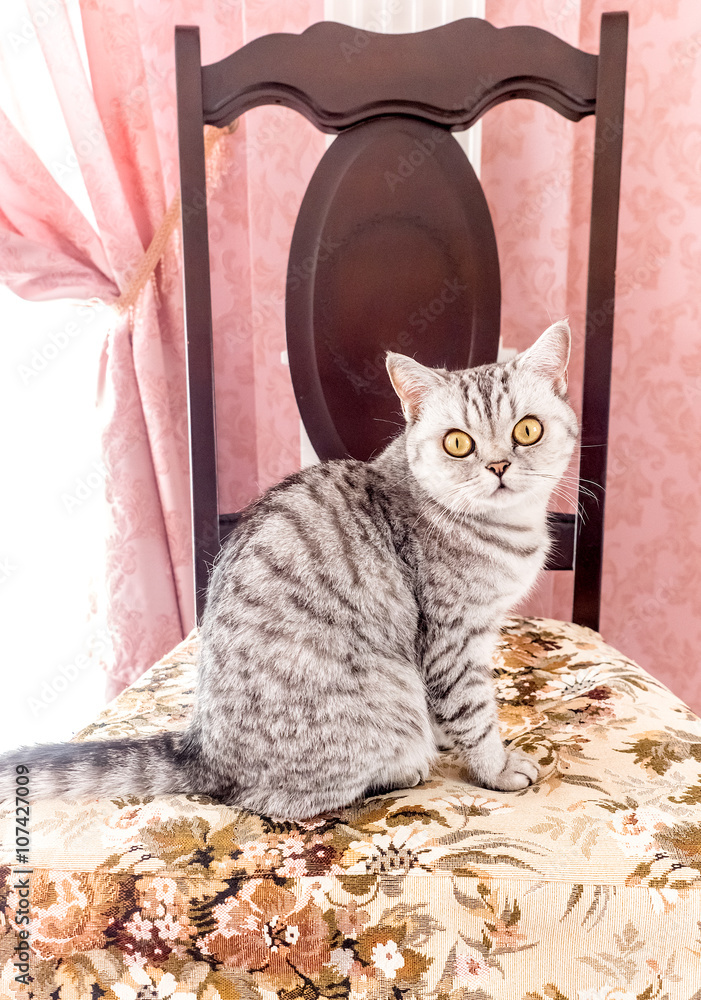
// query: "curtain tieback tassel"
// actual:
[[147, 266]]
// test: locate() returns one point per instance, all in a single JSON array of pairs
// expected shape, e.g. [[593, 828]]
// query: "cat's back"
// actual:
[[319, 551]]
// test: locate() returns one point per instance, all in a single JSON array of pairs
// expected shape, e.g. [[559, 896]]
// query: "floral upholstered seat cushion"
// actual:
[[585, 886]]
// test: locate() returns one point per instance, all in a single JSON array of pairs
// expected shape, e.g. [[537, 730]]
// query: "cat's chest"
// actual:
[[485, 566]]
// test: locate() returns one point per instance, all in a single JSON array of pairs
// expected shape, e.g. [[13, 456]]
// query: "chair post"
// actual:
[[608, 144], [198, 310]]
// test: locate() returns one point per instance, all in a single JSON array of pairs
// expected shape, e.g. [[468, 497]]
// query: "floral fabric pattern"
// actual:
[[585, 886]]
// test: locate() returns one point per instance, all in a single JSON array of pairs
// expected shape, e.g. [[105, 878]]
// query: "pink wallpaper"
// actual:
[[537, 174]]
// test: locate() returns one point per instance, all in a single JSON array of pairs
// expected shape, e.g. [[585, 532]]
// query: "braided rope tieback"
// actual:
[[145, 271]]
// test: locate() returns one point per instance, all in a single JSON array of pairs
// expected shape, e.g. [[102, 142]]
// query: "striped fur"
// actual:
[[351, 619]]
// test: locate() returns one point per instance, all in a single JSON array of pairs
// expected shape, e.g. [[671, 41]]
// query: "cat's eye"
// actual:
[[528, 431], [458, 444]]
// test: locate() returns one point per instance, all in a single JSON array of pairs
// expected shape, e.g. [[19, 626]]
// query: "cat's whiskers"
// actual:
[[567, 480], [444, 523], [431, 502], [567, 492], [532, 493], [581, 513], [444, 516], [454, 514], [564, 483], [574, 481], [581, 479], [561, 489], [444, 519]]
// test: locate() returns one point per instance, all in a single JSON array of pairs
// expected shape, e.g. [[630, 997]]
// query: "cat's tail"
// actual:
[[153, 765]]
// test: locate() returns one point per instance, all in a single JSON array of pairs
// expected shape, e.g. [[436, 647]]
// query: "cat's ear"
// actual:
[[412, 382], [550, 355]]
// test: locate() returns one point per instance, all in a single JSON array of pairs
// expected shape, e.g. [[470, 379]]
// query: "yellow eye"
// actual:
[[528, 431], [458, 444]]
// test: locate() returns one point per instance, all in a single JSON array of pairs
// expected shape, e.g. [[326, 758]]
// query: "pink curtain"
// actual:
[[537, 176], [122, 124]]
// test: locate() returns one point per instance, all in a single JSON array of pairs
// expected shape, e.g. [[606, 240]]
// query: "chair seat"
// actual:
[[585, 886]]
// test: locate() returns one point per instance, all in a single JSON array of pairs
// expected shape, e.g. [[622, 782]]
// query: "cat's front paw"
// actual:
[[519, 771]]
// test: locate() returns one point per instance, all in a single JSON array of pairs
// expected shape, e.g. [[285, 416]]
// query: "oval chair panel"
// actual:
[[393, 249]]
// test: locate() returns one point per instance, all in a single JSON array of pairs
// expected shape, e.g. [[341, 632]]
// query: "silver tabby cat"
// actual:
[[351, 619]]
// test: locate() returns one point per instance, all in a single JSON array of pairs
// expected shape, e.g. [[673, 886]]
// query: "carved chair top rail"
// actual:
[[336, 76]]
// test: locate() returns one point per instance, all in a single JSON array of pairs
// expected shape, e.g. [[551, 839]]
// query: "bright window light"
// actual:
[[52, 523], [52, 527]]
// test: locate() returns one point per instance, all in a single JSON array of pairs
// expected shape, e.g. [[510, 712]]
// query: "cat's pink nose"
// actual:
[[498, 468]]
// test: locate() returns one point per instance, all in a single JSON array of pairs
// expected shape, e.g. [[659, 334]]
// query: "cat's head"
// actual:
[[494, 437]]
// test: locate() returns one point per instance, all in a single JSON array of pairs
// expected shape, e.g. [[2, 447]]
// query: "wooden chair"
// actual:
[[587, 883], [394, 219]]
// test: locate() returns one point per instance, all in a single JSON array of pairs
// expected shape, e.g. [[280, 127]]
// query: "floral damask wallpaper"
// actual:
[[536, 170]]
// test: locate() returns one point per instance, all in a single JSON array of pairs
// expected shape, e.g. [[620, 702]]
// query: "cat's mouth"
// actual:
[[503, 493]]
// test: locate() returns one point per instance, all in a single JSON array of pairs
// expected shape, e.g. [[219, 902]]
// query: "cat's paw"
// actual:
[[520, 771], [413, 778]]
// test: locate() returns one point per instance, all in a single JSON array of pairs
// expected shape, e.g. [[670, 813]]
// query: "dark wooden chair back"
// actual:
[[394, 246]]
